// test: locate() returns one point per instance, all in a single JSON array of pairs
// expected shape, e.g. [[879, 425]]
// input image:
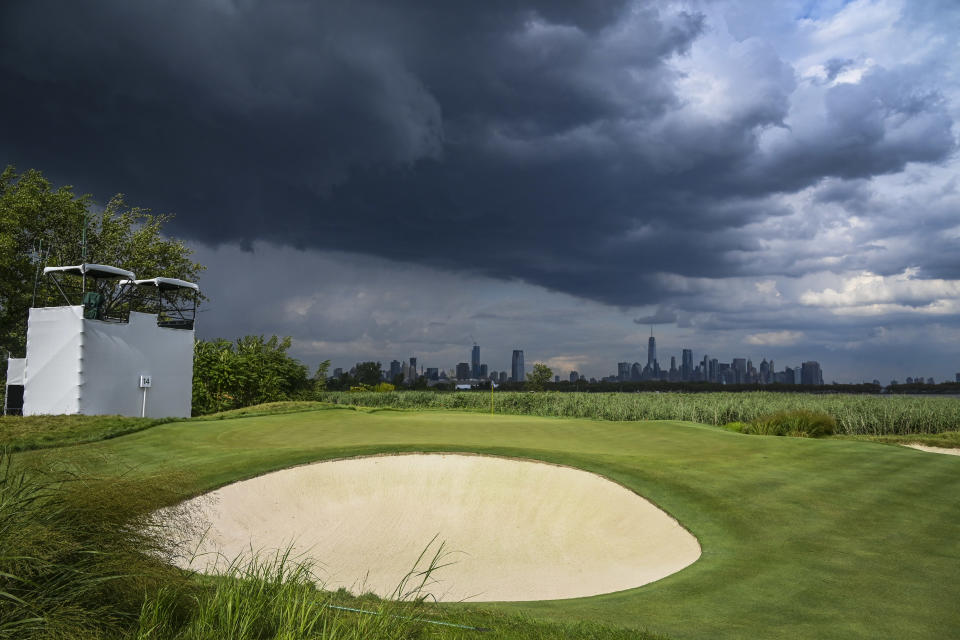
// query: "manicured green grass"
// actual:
[[801, 538]]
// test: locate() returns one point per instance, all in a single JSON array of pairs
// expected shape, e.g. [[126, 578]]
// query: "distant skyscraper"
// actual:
[[463, 371], [517, 371], [739, 366], [503, 376], [623, 371], [395, 369], [810, 373], [764, 372], [482, 372], [686, 365], [651, 350], [475, 361], [433, 373], [575, 377], [413, 366]]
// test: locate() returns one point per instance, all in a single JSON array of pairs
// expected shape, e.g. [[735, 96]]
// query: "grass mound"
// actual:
[[23, 433]]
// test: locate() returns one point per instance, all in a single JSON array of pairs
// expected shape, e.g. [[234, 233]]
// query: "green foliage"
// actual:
[[41, 226], [369, 373], [383, 387], [801, 423], [320, 377], [540, 376], [251, 371], [855, 414]]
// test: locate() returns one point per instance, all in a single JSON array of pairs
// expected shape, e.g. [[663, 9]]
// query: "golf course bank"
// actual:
[[800, 538]]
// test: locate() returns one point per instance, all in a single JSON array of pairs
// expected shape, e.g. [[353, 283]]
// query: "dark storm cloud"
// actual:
[[543, 141], [661, 316]]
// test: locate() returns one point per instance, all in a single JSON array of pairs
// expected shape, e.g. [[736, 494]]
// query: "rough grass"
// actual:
[[855, 414], [946, 439]]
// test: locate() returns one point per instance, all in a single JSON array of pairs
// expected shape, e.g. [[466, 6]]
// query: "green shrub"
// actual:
[[739, 427], [800, 423]]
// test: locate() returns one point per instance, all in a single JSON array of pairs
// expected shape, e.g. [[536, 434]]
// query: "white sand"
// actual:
[[923, 447], [518, 530]]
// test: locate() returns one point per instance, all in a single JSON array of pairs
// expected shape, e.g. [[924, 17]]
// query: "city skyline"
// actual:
[[737, 370], [774, 178]]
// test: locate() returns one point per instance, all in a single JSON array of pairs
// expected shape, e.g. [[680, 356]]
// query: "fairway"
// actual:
[[800, 538]]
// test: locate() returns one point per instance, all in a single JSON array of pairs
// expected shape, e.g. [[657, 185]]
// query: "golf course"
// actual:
[[799, 537]]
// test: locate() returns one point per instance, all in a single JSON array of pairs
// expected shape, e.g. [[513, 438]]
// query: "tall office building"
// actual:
[[517, 372], [463, 371], [395, 369], [651, 350], [482, 372], [686, 365], [623, 371], [765, 377], [810, 373], [413, 366], [575, 377], [475, 361], [739, 366]]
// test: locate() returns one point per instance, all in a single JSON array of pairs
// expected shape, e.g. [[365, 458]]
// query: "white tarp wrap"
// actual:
[[93, 367], [15, 370], [52, 384]]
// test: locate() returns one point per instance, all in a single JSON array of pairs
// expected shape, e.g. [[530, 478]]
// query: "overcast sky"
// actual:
[[396, 178]]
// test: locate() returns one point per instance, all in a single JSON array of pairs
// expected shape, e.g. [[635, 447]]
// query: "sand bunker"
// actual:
[[518, 530], [923, 447]]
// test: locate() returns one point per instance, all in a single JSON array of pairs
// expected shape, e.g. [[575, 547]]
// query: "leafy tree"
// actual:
[[320, 377], [251, 371], [541, 375], [42, 226], [369, 373]]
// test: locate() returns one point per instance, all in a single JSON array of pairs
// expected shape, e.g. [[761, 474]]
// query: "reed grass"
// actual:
[[854, 414], [77, 552]]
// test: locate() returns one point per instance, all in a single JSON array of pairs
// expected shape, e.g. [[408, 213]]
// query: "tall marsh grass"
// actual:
[[855, 414], [77, 553]]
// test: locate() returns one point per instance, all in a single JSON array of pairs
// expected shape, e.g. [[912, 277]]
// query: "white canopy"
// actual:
[[92, 271], [163, 283]]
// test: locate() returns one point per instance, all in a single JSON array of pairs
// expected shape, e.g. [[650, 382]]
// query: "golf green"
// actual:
[[801, 538]]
